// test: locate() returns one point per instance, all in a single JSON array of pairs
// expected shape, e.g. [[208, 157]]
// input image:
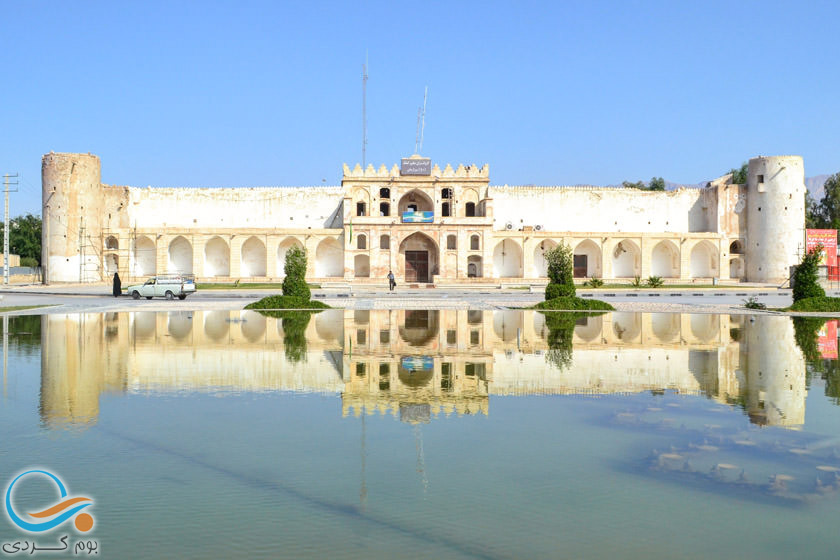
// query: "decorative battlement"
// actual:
[[461, 172]]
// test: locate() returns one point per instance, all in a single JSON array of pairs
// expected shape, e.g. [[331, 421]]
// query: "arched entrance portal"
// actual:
[[418, 258]]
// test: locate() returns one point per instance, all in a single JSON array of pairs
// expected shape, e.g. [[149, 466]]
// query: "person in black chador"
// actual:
[[391, 281], [117, 285]]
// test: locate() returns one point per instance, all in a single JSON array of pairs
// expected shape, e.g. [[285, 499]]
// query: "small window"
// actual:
[[384, 337], [474, 241], [470, 209], [412, 208], [446, 376], [469, 369], [361, 336], [446, 193], [760, 178], [361, 370], [384, 384], [360, 209], [384, 370], [474, 337], [451, 336], [475, 316], [444, 210], [451, 242], [384, 209], [361, 242], [384, 192], [384, 242]]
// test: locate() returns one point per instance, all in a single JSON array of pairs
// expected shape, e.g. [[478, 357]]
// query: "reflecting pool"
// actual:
[[412, 433]]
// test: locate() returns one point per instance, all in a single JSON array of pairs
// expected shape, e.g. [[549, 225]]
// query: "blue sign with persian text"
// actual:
[[422, 217]]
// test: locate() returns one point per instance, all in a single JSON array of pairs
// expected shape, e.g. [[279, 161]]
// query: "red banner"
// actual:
[[828, 239], [827, 341]]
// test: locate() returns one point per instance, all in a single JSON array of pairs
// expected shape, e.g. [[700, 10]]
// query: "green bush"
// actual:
[[286, 302], [805, 282], [594, 282], [560, 272], [30, 262], [574, 304], [294, 284], [637, 282], [654, 282], [816, 305], [753, 303]]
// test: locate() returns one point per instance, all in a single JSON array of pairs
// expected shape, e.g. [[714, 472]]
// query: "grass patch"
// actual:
[[629, 286], [816, 305], [22, 307], [246, 285], [574, 304], [286, 302]]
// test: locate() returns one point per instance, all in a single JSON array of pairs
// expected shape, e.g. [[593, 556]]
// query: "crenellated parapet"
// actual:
[[461, 172]]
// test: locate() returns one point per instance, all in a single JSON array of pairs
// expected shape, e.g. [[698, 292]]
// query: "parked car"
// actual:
[[169, 286]]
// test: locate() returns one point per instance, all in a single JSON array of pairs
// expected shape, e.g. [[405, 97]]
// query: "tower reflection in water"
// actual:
[[418, 364]]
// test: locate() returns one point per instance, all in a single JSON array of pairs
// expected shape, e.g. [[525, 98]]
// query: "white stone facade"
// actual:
[[448, 227]]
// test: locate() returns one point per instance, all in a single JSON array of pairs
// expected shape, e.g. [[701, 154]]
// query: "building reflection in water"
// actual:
[[419, 364]]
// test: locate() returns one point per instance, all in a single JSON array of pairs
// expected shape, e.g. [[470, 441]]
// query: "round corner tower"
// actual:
[[72, 197], [775, 217]]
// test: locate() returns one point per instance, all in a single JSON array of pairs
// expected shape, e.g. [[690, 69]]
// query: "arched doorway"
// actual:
[[587, 259], [180, 256], [216, 257], [412, 204], [282, 249], [626, 262], [507, 259], [418, 258], [112, 264], [665, 260], [145, 256], [329, 259], [474, 268], [253, 258], [361, 266], [703, 261], [540, 265]]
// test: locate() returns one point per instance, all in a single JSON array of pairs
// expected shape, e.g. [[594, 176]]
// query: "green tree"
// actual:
[[637, 185], [560, 272], [656, 184], [812, 217], [739, 176], [294, 284], [25, 237], [826, 214], [805, 281]]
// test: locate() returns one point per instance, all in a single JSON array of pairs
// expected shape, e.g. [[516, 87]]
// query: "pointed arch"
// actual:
[[703, 261], [180, 256], [626, 259], [416, 199], [587, 257], [540, 269], [253, 258], [507, 259], [216, 257], [329, 259], [665, 260], [418, 258], [145, 257], [282, 249]]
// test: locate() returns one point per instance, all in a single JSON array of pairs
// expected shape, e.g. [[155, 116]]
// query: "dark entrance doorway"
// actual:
[[416, 266], [580, 266]]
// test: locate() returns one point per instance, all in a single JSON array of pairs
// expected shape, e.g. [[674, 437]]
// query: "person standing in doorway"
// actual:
[[117, 285], [391, 281]]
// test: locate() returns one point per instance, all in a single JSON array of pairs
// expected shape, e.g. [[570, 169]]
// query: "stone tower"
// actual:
[[71, 239], [775, 217]]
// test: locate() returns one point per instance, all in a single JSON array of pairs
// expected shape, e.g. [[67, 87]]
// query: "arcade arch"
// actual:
[[665, 260], [587, 259], [253, 257], [282, 249], [703, 261], [216, 257], [145, 257], [507, 259], [180, 256], [329, 259], [626, 260], [540, 269]]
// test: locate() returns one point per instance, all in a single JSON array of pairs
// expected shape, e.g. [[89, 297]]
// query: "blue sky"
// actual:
[[267, 93]]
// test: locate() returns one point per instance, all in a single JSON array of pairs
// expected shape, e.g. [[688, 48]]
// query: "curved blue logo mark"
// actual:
[[63, 510]]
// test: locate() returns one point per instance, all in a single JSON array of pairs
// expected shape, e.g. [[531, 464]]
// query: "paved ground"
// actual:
[[97, 299]]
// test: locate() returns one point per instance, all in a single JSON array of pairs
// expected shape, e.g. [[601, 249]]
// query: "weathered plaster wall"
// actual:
[[599, 209]]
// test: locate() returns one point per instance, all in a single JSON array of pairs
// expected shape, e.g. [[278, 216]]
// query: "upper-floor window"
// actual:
[[384, 192], [446, 193], [451, 242], [444, 209], [360, 209], [384, 209], [384, 242], [470, 209], [361, 242], [474, 241]]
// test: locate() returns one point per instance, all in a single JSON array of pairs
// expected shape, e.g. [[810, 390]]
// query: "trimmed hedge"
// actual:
[[574, 304], [286, 302], [294, 284], [817, 304]]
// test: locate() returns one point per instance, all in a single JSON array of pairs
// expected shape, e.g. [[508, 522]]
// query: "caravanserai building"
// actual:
[[428, 225]]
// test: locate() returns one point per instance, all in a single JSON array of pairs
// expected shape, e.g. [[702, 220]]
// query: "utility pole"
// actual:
[[364, 113], [6, 228]]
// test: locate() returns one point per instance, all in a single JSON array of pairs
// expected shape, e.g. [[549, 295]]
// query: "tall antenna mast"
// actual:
[[421, 123], [364, 111]]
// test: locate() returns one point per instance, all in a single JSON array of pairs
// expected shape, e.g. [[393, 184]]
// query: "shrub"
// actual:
[[294, 284], [805, 282], [637, 282], [574, 304], [594, 282], [817, 304], [285, 302], [753, 303], [654, 282], [560, 272], [30, 262]]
